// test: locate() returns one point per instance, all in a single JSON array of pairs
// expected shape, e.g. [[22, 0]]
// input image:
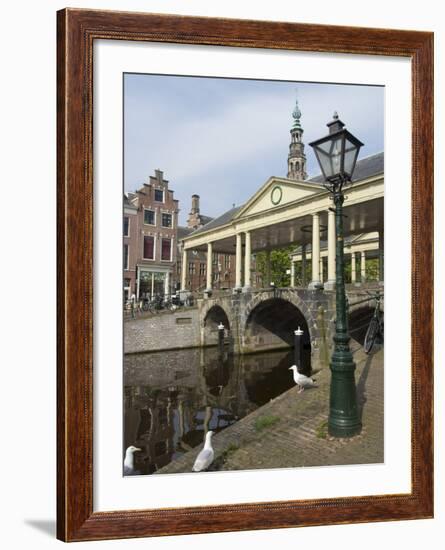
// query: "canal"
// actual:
[[172, 398]]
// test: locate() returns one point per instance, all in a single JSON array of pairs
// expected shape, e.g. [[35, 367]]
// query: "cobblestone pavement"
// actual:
[[290, 431]]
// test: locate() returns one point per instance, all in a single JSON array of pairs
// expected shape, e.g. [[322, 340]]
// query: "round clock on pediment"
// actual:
[[276, 195]]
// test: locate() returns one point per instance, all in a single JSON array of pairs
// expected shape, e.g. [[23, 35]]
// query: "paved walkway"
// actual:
[[291, 430]]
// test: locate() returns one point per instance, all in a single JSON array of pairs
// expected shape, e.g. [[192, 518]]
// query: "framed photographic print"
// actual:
[[244, 275]]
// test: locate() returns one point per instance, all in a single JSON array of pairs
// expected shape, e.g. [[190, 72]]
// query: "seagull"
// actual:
[[301, 380], [129, 460], [205, 457]]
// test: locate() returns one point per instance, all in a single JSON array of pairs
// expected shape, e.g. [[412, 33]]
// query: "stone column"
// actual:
[[353, 268], [292, 273], [267, 281], [247, 260], [303, 265], [209, 267], [238, 261], [315, 283], [381, 256], [138, 284], [184, 269], [363, 266], [331, 251], [152, 285], [167, 284]]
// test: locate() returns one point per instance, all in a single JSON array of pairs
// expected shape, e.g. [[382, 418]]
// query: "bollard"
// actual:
[[297, 349], [221, 329], [272, 286]]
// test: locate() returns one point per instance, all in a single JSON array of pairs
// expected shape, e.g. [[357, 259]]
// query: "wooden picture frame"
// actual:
[[77, 31]]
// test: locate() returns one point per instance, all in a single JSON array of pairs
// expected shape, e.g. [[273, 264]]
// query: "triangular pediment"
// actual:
[[277, 192]]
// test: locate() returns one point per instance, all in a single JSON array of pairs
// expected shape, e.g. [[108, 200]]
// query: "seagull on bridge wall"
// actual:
[[301, 380], [205, 457]]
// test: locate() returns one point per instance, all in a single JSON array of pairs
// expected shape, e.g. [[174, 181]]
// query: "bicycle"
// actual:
[[150, 305], [375, 327]]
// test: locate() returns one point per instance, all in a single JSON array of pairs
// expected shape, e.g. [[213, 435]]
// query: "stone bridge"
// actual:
[[265, 319]]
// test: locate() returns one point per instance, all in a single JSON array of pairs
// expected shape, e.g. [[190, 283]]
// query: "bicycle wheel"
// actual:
[[371, 334]]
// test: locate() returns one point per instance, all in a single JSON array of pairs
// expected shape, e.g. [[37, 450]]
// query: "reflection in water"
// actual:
[[173, 398]]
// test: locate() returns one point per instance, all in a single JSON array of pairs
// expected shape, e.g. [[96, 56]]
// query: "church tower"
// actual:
[[296, 161]]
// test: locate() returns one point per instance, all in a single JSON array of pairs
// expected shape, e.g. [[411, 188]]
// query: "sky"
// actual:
[[223, 138]]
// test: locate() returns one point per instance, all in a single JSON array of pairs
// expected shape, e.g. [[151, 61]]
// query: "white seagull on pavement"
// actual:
[[301, 380], [129, 460], [205, 457]]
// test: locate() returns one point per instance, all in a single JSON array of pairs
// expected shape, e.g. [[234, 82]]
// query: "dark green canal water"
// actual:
[[172, 398]]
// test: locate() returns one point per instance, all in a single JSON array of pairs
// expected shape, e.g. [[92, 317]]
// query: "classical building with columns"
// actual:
[[358, 249], [195, 268], [296, 211]]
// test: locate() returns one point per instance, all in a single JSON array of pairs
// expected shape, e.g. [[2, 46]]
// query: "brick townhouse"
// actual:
[[150, 238]]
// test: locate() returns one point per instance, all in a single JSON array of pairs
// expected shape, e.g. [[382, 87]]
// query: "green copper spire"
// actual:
[[296, 113], [296, 160]]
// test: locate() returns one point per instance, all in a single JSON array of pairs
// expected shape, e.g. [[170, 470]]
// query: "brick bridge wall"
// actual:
[[316, 306], [187, 328], [162, 332]]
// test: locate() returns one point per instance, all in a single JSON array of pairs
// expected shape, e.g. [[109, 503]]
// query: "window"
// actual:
[[166, 220], [125, 256], [202, 269], [149, 217], [191, 268], [159, 195], [149, 247], [126, 226], [166, 249], [226, 261]]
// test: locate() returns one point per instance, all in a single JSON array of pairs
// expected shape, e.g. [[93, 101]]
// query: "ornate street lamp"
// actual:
[[337, 154]]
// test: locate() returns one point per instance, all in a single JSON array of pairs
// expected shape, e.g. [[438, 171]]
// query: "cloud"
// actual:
[[218, 137]]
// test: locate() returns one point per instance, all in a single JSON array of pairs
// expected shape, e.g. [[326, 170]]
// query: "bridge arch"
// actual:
[[211, 317], [271, 321]]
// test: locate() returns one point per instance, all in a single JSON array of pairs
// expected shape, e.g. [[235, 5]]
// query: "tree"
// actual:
[[279, 264]]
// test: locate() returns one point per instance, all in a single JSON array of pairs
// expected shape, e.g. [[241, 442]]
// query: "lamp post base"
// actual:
[[344, 419]]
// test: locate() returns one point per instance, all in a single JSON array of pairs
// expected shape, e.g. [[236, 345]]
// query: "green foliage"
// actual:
[[266, 421], [279, 264], [372, 269], [322, 430]]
